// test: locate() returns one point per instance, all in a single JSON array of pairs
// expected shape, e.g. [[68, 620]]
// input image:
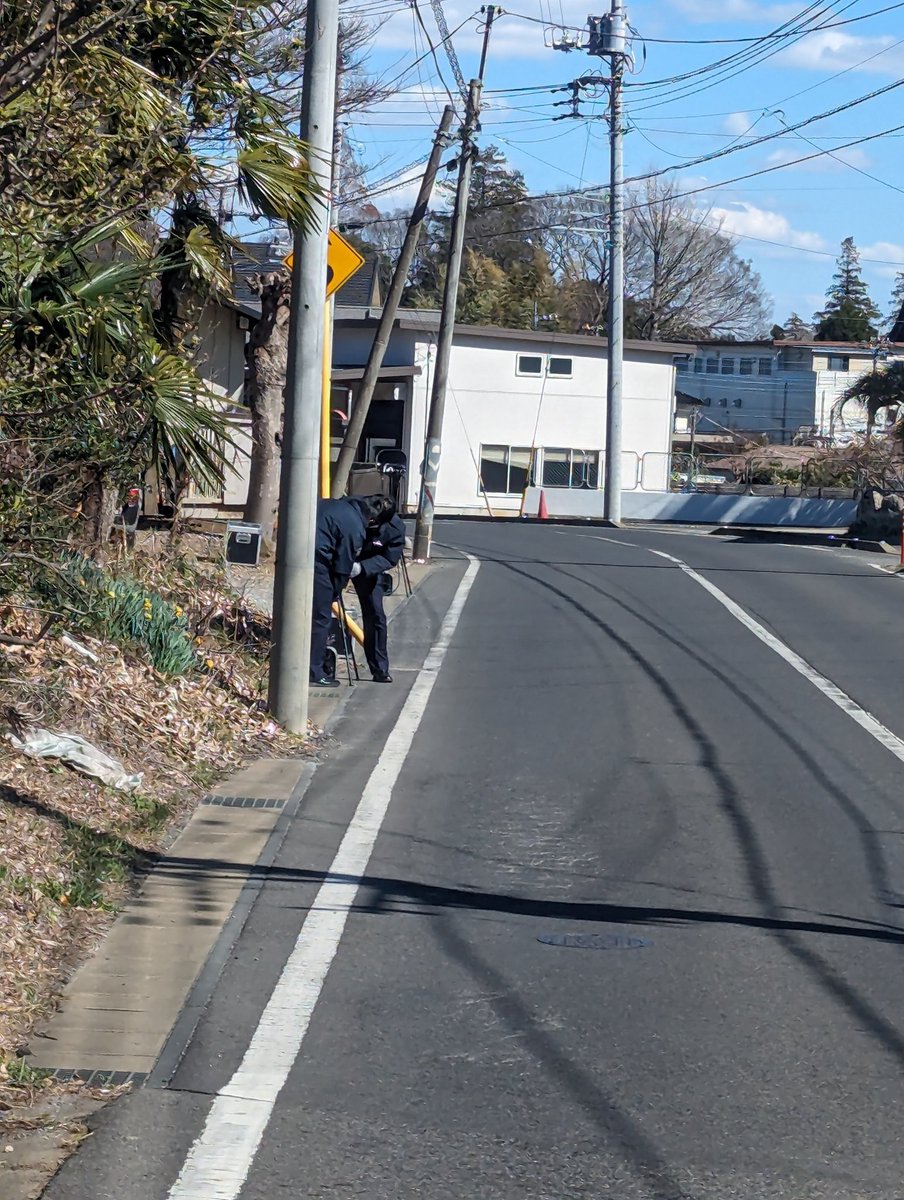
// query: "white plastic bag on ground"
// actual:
[[73, 749]]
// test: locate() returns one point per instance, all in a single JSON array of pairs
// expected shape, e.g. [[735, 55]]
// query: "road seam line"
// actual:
[[220, 1159], [831, 691]]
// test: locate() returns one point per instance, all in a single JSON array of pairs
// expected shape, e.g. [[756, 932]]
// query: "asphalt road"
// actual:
[[610, 757]]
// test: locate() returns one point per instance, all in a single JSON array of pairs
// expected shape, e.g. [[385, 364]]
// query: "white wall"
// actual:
[[700, 508], [220, 357], [489, 403]]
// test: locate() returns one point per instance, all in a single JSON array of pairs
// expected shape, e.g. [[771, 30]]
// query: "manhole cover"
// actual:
[[593, 941]]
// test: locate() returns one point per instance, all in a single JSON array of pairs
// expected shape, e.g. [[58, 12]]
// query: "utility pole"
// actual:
[[423, 533], [390, 308], [293, 585], [608, 39]]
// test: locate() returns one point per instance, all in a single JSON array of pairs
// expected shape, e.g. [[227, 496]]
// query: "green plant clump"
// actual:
[[126, 612]]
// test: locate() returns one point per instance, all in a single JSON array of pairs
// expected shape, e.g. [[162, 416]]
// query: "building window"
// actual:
[[682, 364], [712, 366], [746, 366], [723, 403], [529, 364], [737, 402], [727, 365], [560, 367], [764, 366], [707, 401], [698, 366], [570, 468], [504, 469], [839, 362]]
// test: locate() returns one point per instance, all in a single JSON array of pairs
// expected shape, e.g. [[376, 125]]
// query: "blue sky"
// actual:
[[807, 209]]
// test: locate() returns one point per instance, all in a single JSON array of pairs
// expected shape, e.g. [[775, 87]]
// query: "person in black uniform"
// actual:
[[341, 531], [383, 547]]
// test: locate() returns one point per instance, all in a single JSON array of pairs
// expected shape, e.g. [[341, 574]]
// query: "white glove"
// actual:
[[356, 569]]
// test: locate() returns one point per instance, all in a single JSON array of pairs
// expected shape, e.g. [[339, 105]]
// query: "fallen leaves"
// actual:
[[68, 843]]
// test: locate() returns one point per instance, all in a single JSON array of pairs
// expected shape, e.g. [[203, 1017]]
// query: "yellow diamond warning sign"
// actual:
[[342, 261]]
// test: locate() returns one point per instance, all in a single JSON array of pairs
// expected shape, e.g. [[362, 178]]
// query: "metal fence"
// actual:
[[765, 474]]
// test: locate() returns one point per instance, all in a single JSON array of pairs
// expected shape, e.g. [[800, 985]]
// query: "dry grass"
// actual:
[[68, 845]]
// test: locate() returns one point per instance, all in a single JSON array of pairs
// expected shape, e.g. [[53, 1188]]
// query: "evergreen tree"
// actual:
[[504, 271], [796, 329], [895, 319], [849, 312]]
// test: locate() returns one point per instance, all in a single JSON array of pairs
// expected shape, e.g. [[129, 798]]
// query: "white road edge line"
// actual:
[[220, 1159], [831, 691], [600, 537]]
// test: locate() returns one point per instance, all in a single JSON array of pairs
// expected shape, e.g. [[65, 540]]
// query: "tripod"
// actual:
[[406, 578], [348, 649]]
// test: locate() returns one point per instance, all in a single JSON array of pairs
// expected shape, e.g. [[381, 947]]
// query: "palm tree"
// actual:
[[140, 127], [876, 390]]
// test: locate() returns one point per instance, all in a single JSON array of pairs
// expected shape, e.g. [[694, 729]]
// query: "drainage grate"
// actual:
[[101, 1078], [594, 941], [242, 802]]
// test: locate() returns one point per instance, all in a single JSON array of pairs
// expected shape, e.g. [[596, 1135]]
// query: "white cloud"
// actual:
[[738, 123], [735, 10], [835, 50], [746, 220], [512, 38], [891, 254], [791, 151]]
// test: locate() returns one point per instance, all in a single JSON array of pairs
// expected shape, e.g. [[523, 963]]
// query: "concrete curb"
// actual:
[[177, 1043]]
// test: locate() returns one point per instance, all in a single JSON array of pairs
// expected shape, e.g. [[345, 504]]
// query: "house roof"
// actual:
[[426, 320], [793, 343], [364, 286], [256, 258]]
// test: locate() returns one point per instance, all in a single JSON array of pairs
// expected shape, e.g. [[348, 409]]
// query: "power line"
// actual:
[[708, 41], [758, 141], [723, 70], [860, 171], [545, 226]]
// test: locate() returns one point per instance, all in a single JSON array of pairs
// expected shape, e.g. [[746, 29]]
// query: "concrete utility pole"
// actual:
[[390, 307], [608, 39], [433, 449], [293, 585]]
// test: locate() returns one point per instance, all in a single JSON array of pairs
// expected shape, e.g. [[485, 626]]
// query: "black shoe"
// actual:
[[324, 683], [382, 677]]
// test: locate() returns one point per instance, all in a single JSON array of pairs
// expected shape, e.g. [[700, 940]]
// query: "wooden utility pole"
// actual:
[[433, 447], [361, 407]]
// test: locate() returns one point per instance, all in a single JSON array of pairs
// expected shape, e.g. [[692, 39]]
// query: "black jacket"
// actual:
[[341, 530], [383, 547]]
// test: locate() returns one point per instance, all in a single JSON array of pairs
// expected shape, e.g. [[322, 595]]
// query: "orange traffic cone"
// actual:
[[543, 511]]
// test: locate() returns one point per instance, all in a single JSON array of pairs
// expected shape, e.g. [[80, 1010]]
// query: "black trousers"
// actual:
[[321, 618], [371, 589]]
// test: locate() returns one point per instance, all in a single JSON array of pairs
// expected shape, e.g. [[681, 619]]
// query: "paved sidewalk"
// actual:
[[118, 1010]]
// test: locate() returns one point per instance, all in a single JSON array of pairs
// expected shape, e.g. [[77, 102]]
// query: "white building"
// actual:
[[778, 388], [518, 402]]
